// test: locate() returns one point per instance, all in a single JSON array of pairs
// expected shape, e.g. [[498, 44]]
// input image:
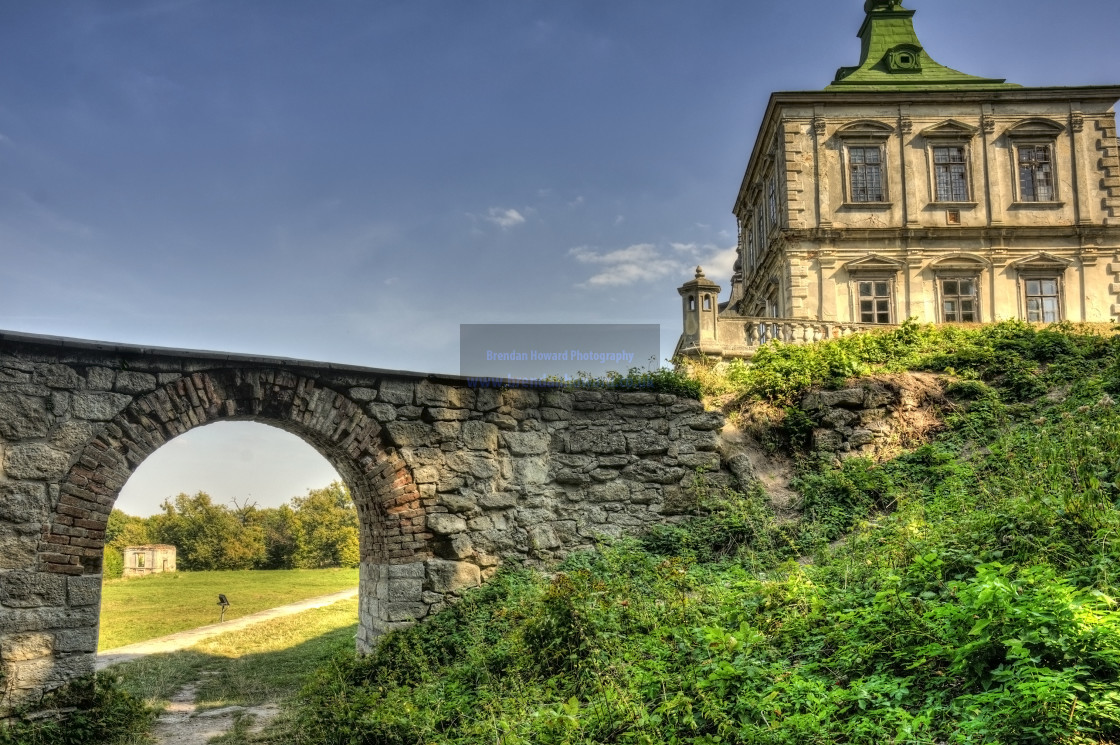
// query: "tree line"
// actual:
[[311, 532]]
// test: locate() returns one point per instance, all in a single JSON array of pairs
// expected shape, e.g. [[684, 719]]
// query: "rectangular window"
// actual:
[[139, 561], [1043, 300], [958, 301], [761, 233], [750, 247], [1036, 173], [865, 174], [950, 174], [875, 301]]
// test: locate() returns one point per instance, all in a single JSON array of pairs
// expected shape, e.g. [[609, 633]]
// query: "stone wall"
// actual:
[[875, 414], [449, 481]]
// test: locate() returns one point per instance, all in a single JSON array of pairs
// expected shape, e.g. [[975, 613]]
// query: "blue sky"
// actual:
[[350, 181]]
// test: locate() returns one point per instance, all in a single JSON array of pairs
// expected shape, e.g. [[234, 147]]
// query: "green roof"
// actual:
[[893, 58]]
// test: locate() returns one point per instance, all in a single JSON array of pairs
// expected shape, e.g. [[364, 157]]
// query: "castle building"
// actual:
[[906, 189]]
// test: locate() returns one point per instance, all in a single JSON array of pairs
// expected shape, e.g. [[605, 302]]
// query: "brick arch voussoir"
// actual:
[[388, 501]]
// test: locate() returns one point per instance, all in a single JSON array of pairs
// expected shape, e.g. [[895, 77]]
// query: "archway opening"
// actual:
[[236, 508]]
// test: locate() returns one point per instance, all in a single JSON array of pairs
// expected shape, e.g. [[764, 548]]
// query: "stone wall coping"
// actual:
[[87, 345]]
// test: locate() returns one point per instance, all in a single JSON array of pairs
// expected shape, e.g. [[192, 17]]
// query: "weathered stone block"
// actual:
[[458, 503], [860, 437], [405, 590], [410, 434], [837, 418], [479, 435], [439, 414], [488, 399], [479, 465], [72, 436], [99, 407], [442, 523], [406, 611], [29, 646], [362, 394], [461, 546], [827, 440], [740, 465], [520, 398], [83, 591], [703, 461], [842, 397], [529, 471], [497, 501], [32, 589], [649, 471], [23, 501], [36, 462], [708, 420], [23, 417], [56, 376], [99, 378], [415, 570], [397, 392], [134, 382], [526, 443], [17, 551], [646, 443], [569, 476], [612, 491], [76, 640], [452, 576], [596, 441], [542, 537], [425, 475], [382, 412]]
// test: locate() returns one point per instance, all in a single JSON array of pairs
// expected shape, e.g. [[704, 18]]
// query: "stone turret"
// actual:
[[700, 304]]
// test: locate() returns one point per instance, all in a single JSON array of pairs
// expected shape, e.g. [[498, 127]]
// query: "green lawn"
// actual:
[[134, 610]]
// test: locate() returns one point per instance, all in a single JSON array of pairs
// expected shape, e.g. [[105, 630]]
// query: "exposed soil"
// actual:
[[181, 723]]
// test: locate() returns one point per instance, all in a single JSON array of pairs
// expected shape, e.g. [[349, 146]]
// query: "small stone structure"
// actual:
[[448, 480], [873, 413], [156, 558]]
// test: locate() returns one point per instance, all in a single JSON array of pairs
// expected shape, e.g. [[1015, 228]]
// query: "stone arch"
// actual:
[[392, 521]]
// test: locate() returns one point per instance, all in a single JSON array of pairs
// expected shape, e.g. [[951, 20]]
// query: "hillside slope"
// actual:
[[960, 591]]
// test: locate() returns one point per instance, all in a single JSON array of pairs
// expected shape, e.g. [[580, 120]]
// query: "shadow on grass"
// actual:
[[225, 677]]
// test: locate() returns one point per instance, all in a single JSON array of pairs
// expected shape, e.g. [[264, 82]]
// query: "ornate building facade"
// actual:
[[906, 189]]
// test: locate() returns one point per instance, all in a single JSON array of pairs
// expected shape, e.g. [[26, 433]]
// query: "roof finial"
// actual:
[[699, 273], [871, 5]]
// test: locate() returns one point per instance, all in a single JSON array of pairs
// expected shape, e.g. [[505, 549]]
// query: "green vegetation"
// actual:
[[314, 531], [134, 610], [970, 600], [93, 710]]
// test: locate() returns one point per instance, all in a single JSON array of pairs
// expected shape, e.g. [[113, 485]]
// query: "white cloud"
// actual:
[[505, 218], [619, 219], [640, 262]]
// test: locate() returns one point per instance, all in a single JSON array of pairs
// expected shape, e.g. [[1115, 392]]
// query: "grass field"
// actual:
[[268, 661], [134, 610]]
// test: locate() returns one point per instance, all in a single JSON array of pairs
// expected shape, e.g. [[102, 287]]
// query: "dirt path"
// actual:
[[182, 724], [184, 639]]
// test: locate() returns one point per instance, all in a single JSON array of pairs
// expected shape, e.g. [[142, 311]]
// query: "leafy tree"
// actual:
[[279, 527], [208, 536], [125, 530], [326, 528]]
